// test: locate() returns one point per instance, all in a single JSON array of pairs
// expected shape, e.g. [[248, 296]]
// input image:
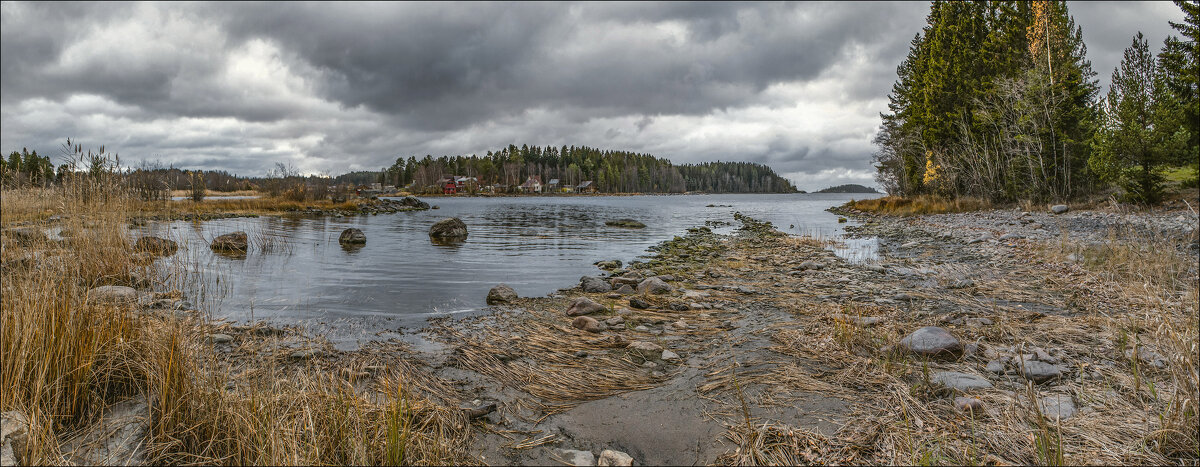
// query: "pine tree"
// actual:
[[1179, 62], [1137, 137]]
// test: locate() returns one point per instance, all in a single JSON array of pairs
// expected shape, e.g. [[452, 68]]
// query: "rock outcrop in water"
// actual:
[[452, 228], [352, 236], [501, 294], [235, 242], [627, 223]]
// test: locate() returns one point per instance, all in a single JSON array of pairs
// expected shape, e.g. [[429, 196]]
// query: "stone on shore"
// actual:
[[235, 242], [1059, 208], [352, 236], [593, 284], [584, 306], [645, 350], [626, 289], [932, 341], [611, 458], [1039, 372], [452, 228], [113, 294], [960, 381], [969, 405], [501, 294], [578, 458], [609, 265], [156, 246], [639, 303], [654, 285], [14, 434], [219, 338], [588, 324], [1057, 407]]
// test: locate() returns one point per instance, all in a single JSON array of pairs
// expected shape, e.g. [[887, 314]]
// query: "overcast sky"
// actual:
[[329, 88]]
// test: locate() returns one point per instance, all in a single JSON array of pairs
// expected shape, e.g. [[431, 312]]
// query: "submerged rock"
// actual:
[[235, 242], [352, 236], [501, 294], [448, 228], [627, 223]]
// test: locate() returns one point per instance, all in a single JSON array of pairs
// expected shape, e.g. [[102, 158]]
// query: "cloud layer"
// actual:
[[330, 88]]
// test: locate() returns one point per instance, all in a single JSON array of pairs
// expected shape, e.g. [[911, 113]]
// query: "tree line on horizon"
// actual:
[[612, 171], [997, 100]]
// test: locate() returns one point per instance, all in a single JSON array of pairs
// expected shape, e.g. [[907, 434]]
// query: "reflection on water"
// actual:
[[296, 272]]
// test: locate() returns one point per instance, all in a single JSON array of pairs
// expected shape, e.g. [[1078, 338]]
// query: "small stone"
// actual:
[[581, 354], [975, 240], [584, 306], [960, 381], [961, 284], [625, 289], [811, 265], [609, 457], [654, 285], [113, 294], [587, 323], [305, 354], [932, 341], [1058, 407], [969, 405], [641, 328], [593, 284], [1040, 372], [501, 294], [995, 366], [639, 303], [622, 311], [578, 458], [1059, 208], [1011, 236], [614, 321], [669, 355], [219, 338], [476, 409]]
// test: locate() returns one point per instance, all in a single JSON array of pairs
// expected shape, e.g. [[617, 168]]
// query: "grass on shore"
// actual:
[[924, 204], [67, 357]]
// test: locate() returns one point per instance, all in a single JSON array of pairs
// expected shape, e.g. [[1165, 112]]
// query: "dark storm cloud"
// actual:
[[336, 87]]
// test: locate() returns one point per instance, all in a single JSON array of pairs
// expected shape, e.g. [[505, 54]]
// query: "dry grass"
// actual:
[[245, 206], [1133, 292], [924, 204], [66, 357]]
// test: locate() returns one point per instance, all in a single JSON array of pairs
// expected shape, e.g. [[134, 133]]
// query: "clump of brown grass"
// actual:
[[66, 357], [923, 204]]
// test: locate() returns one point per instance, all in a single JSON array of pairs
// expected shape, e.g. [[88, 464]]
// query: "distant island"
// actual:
[[849, 188]]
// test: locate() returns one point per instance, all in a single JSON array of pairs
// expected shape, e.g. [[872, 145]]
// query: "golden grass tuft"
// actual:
[[923, 204]]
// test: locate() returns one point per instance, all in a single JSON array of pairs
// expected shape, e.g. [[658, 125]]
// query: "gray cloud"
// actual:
[[337, 87]]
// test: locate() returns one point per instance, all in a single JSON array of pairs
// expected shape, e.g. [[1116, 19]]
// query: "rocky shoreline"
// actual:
[[965, 320]]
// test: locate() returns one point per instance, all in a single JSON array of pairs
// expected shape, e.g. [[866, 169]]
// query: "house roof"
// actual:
[[585, 184], [553, 181]]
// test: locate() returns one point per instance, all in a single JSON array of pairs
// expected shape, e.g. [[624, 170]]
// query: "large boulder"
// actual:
[[593, 284], [452, 228], [932, 341], [584, 306], [352, 236], [156, 246], [653, 285], [501, 294], [413, 202], [235, 242]]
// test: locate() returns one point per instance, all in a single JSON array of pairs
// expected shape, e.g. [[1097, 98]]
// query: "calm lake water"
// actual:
[[297, 273]]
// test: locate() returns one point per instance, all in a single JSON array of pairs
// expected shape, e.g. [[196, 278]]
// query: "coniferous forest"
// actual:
[[611, 171], [997, 100]]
